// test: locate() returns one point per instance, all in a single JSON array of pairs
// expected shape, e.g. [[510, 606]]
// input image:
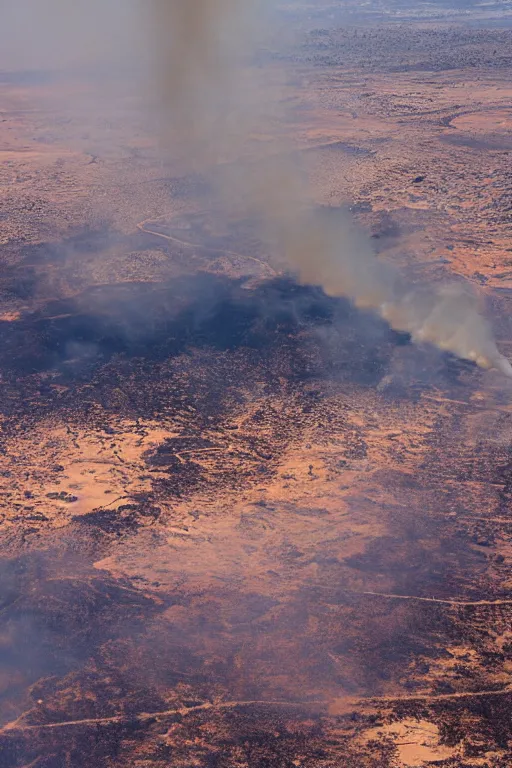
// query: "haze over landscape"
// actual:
[[256, 405]]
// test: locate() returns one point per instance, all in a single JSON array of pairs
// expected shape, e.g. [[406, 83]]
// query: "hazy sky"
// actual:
[[194, 47], [43, 34]]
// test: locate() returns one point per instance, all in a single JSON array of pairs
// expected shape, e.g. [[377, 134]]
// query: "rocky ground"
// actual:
[[245, 524]]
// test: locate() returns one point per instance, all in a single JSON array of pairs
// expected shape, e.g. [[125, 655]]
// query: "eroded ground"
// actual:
[[244, 524]]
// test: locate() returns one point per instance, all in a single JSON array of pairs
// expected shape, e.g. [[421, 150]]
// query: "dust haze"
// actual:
[[55, 34], [215, 105], [211, 104]]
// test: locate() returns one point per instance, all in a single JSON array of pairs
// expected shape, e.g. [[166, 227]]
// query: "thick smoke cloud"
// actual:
[[214, 104], [221, 114]]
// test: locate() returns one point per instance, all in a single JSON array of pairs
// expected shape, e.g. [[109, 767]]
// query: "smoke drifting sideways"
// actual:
[[214, 104], [221, 114]]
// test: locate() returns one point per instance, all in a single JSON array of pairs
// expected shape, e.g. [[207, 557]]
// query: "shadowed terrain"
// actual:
[[244, 523]]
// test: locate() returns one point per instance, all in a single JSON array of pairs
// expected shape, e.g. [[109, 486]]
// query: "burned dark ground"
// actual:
[[274, 550], [243, 523]]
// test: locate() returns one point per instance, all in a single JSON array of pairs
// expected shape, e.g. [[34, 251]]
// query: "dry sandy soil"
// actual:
[[245, 524]]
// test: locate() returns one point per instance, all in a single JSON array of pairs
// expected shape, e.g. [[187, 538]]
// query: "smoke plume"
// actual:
[[221, 115], [216, 105]]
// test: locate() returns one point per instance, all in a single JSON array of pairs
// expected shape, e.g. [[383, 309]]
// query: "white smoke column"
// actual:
[[215, 103], [215, 108], [339, 257]]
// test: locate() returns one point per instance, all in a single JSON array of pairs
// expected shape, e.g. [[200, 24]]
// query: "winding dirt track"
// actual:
[[415, 598], [439, 697], [143, 717], [185, 243], [461, 603]]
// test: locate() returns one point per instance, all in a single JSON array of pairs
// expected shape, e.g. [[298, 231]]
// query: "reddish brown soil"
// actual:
[[244, 524]]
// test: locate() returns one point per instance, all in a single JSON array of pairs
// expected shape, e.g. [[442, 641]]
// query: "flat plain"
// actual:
[[243, 523]]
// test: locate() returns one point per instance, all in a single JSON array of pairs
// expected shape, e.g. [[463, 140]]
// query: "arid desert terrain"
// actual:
[[245, 524]]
